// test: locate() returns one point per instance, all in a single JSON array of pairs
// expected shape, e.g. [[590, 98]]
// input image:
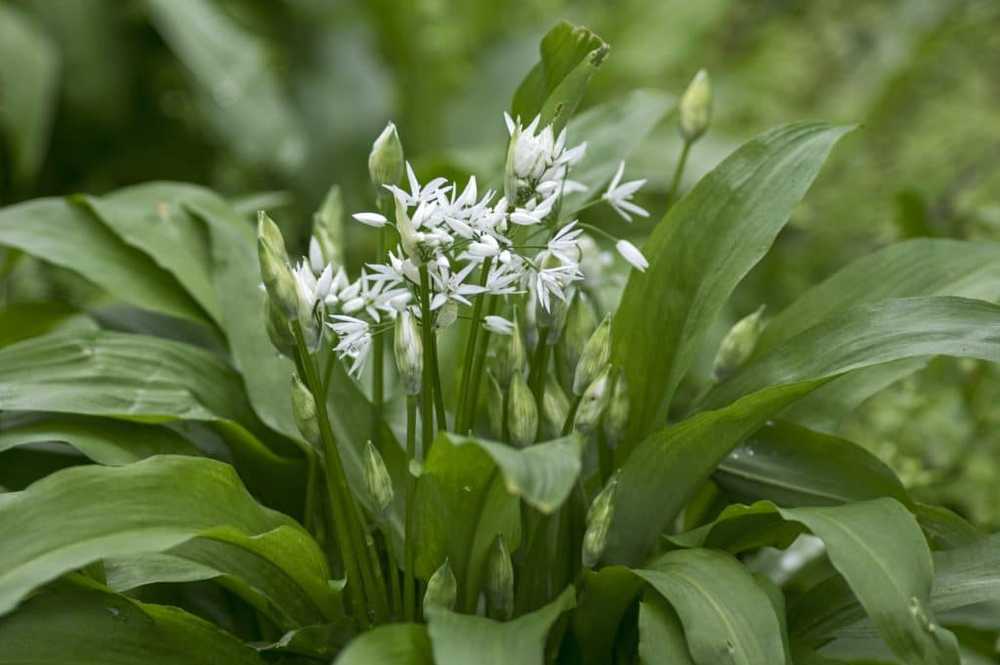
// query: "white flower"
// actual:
[[618, 195], [354, 341], [632, 254], [565, 243], [371, 219], [498, 325]]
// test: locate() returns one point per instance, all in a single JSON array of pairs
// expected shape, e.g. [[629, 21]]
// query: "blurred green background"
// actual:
[[275, 101]]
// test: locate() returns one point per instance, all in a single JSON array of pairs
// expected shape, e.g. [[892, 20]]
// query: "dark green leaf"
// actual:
[[399, 643], [661, 636], [604, 597], [698, 254], [22, 320]]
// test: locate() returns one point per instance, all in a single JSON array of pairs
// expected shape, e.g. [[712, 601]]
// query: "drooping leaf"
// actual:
[[66, 235], [698, 254], [794, 466], [22, 320], [402, 643], [661, 636], [458, 639], [555, 85], [88, 626], [55, 526], [727, 617]]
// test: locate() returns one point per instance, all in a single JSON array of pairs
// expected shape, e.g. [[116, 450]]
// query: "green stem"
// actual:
[[678, 172], [376, 581], [461, 416], [378, 366], [395, 590], [571, 416], [409, 584], [442, 418], [339, 495], [605, 458], [477, 368], [430, 377], [539, 366]]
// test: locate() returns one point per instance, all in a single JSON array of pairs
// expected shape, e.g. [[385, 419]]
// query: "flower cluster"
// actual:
[[457, 243]]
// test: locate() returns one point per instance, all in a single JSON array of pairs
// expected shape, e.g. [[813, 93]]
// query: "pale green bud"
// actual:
[[499, 581], [555, 408], [738, 344], [385, 162], [408, 236], [593, 403], [274, 268], [616, 415], [510, 356], [447, 315], [696, 107], [409, 349], [442, 589], [522, 412], [304, 410], [594, 357], [581, 320], [377, 479], [328, 227], [599, 517], [278, 329], [494, 405], [512, 185]]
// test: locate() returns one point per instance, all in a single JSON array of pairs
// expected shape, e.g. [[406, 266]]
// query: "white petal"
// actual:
[[498, 325], [632, 254], [371, 219]]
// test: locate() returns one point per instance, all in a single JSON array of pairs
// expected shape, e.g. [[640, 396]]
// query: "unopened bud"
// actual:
[[738, 344], [442, 588], [510, 355], [385, 162], [494, 406], [377, 479], [593, 403], [499, 581], [409, 350], [616, 415], [328, 227], [278, 329], [408, 236], [274, 268], [580, 324], [599, 517], [594, 357], [555, 408], [522, 412], [304, 410], [696, 107]]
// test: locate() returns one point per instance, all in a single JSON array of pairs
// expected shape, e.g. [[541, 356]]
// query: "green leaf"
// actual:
[[22, 320], [727, 617], [460, 639], [29, 77], [794, 466], [68, 236], [612, 131], [92, 627], [604, 597], [148, 379], [700, 251], [661, 636], [105, 441], [871, 334], [56, 526], [322, 641], [402, 643], [555, 85]]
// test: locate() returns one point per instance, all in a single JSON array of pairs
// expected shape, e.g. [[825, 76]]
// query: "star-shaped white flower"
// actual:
[[619, 195]]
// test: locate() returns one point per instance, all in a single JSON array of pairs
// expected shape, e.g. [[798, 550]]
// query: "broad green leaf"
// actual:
[[944, 529], [727, 617], [148, 218], [321, 641], [872, 334], [87, 626], [29, 319], [740, 528], [612, 131], [460, 639], [555, 85], [137, 377], [794, 466], [29, 76], [661, 636], [125, 573], [920, 267], [398, 643], [777, 598], [66, 235], [56, 526], [105, 441], [604, 596], [700, 251]]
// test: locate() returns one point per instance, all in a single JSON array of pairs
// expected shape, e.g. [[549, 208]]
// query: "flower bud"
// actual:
[[510, 356], [499, 581], [616, 415], [738, 344], [278, 330], [409, 350], [594, 357], [696, 107], [442, 589], [274, 268], [599, 516], [377, 479], [555, 408], [494, 406], [304, 410], [328, 228], [408, 236], [593, 403], [580, 324], [385, 162], [522, 412], [447, 315]]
